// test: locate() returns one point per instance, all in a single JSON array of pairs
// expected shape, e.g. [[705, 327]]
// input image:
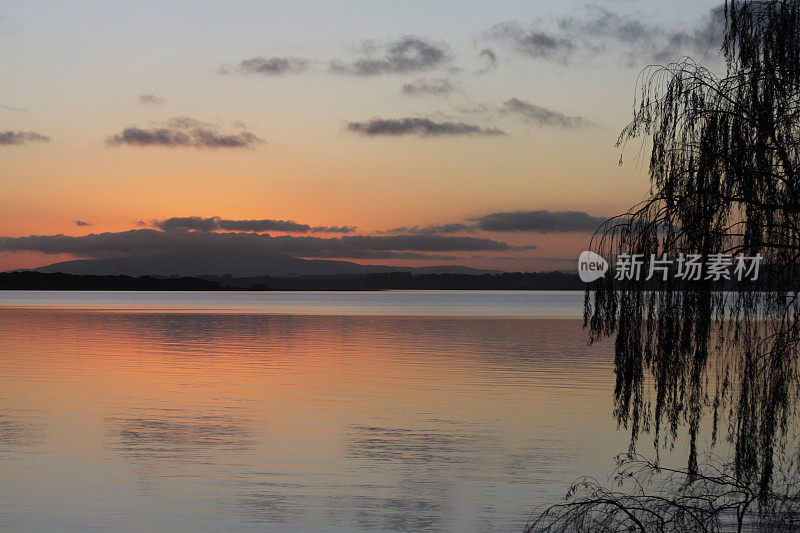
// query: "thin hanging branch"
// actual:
[[724, 177]]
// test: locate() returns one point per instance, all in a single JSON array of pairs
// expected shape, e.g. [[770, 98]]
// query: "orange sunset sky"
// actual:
[[482, 133]]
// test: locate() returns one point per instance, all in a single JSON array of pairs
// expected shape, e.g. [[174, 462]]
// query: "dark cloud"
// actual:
[[441, 87], [212, 139], [152, 137], [572, 260], [142, 242], [541, 116], [183, 132], [333, 229], [540, 221], [419, 126], [407, 54], [534, 43], [434, 230], [151, 99], [268, 66], [491, 60], [82, 223], [188, 223], [262, 225], [21, 137], [642, 40], [598, 30], [217, 223]]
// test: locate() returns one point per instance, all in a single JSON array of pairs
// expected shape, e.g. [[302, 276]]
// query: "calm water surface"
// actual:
[[396, 411], [413, 303]]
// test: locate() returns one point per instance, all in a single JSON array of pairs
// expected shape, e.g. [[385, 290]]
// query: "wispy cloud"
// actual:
[[598, 30], [267, 66], [151, 99], [21, 137], [541, 116], [534, 43], [419, 126], [183, 132], [637, 38], [438, 87], [407, 54], [217, 223], [488, 55], [82, 223]]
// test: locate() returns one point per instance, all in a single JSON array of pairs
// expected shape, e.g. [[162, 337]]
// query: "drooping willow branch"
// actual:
[[648, 498], [724, 177]]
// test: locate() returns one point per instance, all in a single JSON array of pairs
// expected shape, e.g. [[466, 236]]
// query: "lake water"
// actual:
[[374, 411], [397, 303]]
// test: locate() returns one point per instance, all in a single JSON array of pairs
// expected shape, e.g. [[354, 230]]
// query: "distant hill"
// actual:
[[30, 280], [237, 265], [37, 281]]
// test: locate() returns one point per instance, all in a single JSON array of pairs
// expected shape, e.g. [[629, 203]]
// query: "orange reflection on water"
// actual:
[[400, 423]]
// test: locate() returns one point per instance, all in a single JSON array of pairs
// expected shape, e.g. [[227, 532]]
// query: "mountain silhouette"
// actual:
[[203, 263]]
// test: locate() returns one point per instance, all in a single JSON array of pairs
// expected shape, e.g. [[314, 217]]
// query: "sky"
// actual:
[[383, 132]]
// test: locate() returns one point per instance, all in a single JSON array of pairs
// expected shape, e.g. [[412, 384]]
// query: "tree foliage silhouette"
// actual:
[[648, 498], [724, 179]]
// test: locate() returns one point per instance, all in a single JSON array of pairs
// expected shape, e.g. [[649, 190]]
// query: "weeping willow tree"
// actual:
[[648, 498], [724, 179]]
